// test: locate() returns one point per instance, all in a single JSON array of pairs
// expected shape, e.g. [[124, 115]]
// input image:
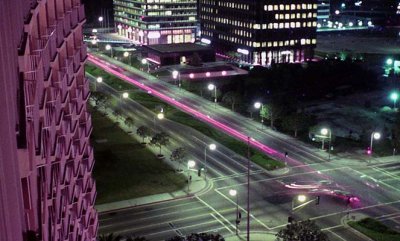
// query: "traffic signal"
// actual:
[[317, 200], [240, 215], [290, 219], [199, 172], [286, 154], [237, 221]]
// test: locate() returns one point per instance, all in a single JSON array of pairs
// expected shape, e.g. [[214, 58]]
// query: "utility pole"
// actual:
[[248, 188]]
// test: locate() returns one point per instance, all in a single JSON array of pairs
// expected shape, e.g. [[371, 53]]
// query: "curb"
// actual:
[[205, 189]]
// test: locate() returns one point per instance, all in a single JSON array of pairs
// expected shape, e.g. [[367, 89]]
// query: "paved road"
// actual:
[[270, 201]]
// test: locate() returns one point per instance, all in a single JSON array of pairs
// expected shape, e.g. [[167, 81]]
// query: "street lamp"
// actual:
[[176, 74], [108, 47], [212, 147], [190, 165], [394, 96], [213, 87], [125, 95], [389, 61], [101, 21], [159, 116], [233, 193], [325, 132], [145, 61], [376, 136], [98, 81], [258, 105]]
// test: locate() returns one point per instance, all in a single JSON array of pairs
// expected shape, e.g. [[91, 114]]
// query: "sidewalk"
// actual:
[[354, 217], [254, 236], [197, 185]]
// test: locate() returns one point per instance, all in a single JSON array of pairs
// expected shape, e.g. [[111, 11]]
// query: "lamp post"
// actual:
[[394, 96], [248, 188], [213, 87], [98, 81], [125, 95], [212, 147], [325, 132], [108, 47], [233, 193], [376, 136], [159, 116], [190, 165], [127, 56], [145, 61], [258, 106], [176, 74], [101, 21]]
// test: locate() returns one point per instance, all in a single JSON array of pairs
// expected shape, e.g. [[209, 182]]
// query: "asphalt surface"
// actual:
[[376, 186]]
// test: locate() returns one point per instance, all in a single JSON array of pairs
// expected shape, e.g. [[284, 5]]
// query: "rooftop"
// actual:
[[174, 48]]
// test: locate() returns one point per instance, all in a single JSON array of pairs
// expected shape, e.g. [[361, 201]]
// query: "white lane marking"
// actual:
[[222, 178], [386, 173], [337, 235], [384, 183], [286, 176], [222, 223], [215, 211], [244, 210]]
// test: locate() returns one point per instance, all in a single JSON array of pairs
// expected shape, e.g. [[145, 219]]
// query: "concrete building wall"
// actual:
[[48, 92]]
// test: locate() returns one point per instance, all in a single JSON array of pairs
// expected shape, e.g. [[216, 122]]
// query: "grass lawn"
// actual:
[[124, 168], [375, 230], [176, 115]]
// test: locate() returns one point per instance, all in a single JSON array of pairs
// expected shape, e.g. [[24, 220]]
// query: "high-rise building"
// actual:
[[46, 160], [156, 21], [260, 31], [323, 11]]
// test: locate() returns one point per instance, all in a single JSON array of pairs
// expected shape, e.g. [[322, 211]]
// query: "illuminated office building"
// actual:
[[156, 21], [260, 31], [46, 160]]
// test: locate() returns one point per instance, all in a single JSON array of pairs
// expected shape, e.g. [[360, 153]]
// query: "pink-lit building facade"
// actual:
[[46, 160]]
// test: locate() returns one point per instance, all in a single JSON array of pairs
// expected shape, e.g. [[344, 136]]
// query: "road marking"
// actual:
[[213, 209], [337, 235], [384, 183], [244, 210], [222, 178], [221, 223], [150, 217], [285, 176], [387, 173]]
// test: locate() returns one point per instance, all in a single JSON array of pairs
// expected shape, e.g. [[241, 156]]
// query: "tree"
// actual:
[[110, 237], [198, 237], [396, 133], [178, 155], [296, 122], [117, 113], [143, 131], [135, 238], [129, 121], [160, 139], [231, 98], [271, 112], [99, 98], [301, 231]]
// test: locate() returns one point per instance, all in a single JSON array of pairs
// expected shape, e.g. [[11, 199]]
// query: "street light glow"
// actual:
[[389, 61], [99, 79], [377, 135], [175, 74], [191, 163], [232, 192], [301, 198], [101, 19], [394, 96], [160, 116], [94, 41], [211, 86], [144, 61], [212, 147], [324, 131], [126, 54], [125, 95], [257, 105], [108, 47]]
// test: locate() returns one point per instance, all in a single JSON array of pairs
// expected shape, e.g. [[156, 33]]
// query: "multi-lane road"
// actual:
[[271, 201]]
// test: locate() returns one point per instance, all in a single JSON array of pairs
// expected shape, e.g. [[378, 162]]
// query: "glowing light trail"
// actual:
[[112, 69]]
